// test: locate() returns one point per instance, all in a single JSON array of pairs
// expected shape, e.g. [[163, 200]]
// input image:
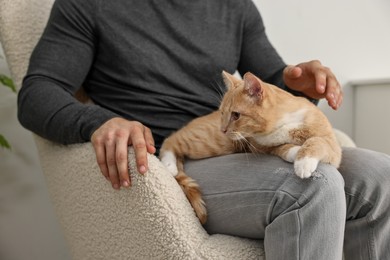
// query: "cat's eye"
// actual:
[[235, 116]]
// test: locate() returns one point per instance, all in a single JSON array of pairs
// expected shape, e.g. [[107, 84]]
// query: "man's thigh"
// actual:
[[241, 190]]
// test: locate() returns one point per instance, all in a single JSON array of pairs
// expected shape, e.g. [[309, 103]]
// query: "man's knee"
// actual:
[[324, 193], [329, 185]]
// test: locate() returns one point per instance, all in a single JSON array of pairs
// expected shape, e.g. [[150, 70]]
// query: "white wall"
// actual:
[[350, 36]]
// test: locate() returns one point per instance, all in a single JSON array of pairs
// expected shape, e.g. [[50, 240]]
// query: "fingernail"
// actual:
[[142, 169], [115, 186], [125, 184], [332, 98]]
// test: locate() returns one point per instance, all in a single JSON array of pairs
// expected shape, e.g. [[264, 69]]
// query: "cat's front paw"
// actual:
[[305, 167], [168, 159]]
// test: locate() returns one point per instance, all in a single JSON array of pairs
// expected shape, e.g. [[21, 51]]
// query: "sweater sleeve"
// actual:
[[257, 53], [58, 66]]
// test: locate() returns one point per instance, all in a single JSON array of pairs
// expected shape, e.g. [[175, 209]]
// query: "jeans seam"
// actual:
[[371, 241], [235, 191], [370, 223], [360, 198], [299, 236], [371, 238], [279, 191]]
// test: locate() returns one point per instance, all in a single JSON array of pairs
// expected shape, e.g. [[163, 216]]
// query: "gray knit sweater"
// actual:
[[155, 61]]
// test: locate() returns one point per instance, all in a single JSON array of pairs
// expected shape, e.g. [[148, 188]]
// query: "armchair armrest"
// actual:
[[150, 220]]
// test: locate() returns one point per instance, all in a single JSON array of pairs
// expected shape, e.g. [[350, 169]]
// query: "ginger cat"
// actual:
[[253, 117]]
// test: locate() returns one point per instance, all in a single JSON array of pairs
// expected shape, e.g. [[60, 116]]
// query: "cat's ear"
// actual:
[[253, 86], [229, 80]]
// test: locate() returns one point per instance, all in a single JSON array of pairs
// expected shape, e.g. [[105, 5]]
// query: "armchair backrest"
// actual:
[[21, 25]]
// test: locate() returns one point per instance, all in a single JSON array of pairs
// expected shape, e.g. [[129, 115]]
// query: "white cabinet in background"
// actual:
[[371, 114]]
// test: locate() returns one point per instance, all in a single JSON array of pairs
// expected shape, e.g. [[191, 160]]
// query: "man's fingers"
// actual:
[[111, 143], [111, 164], [315, 81], [321, 81], [334, 94], [340, 101], [101, 159], [149, 141], [121, 158], [139, 143]]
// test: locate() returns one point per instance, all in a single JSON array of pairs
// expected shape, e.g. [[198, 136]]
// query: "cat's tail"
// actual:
[[192, 191]]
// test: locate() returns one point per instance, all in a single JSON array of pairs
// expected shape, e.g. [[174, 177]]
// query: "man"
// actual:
[[152, 66]]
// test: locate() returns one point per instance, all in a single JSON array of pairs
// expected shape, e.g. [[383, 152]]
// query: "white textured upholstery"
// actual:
[[151, 220]]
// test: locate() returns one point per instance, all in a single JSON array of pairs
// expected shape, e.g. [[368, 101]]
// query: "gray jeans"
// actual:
[[260, 197]]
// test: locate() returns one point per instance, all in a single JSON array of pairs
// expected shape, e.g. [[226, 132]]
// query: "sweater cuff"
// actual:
[[97, 116]]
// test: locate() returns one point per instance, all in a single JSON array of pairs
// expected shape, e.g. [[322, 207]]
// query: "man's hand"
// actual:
[[315, 81], [111, 142]]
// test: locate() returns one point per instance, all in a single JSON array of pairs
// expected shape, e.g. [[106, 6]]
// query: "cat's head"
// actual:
[[247, 107]]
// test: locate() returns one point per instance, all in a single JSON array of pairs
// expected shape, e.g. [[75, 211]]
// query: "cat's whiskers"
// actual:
[[245, 144], [244, 138], [243, 148], [236, 136], [237, 139], [220, 91], [244, 135], [251, 147], [217, 98]]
